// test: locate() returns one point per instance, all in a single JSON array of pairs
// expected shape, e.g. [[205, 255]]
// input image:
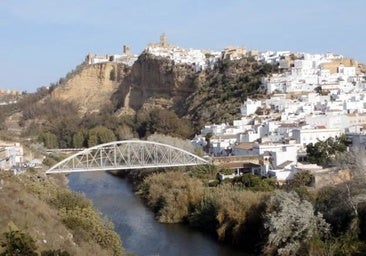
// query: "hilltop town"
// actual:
[[311, 98], [198, 59]]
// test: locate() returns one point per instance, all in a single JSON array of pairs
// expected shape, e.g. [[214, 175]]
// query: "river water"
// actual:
[[140, 233]]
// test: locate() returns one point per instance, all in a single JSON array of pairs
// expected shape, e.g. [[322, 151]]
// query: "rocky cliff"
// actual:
[[155, 82], [151, 82], [159, 82], [92, 86]]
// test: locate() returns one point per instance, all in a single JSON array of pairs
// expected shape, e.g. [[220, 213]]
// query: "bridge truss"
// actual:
[[128, 154]]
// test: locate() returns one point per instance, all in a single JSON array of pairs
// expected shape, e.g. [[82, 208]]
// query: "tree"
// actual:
[[167, 122], [354, 189], [291, 224], [255, 182], [330, 201], [322, 152], [162, 121], [79, 139], [99, 135], [208, 140], [302, 178], [124, 132], [49, 140]]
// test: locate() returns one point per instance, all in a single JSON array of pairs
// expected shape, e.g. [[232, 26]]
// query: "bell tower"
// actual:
[[163, 40]]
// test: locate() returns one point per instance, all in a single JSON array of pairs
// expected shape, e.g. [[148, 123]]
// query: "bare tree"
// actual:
[[291, 223], [354, 188]]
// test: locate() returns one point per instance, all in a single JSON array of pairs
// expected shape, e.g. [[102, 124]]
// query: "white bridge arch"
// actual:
[[127, 154]]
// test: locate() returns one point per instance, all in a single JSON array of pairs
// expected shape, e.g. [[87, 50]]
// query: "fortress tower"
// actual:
[[164, 40], [126, 50]]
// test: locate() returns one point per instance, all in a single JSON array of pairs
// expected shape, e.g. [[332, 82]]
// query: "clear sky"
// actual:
[[41, 40]]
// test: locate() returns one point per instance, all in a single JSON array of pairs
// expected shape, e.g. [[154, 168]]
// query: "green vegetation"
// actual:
[[255, 182], [162, 121], [16, 242], [323, 152], [171, 195], [224, 210], [40, 217], [78, 215], [62, 127], [248, 211], [219, 96], [262, 217]]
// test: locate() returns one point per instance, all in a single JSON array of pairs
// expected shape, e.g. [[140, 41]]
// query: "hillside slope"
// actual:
[[154, 95], [92, 86], [40, 206]]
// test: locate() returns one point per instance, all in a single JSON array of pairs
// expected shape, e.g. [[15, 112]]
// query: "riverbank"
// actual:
[[136, 224], [42, 208], [185, 195]]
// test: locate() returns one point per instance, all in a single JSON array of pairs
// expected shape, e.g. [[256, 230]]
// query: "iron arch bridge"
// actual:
[[124, 155]]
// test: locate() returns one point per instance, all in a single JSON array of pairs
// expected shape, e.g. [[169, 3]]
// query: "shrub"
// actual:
[[55, 253], [255, 182], [87, 225], [233, 208], [172, 194], [18, 243], [204, 216], [204, 172], [68, 200], [331, 204], [291, 224]]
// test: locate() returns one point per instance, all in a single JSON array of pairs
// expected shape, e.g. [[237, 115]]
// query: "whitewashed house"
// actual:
[[249, 107], [11, 155], [306, 136]]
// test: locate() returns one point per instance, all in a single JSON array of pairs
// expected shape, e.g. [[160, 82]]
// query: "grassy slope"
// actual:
[[26, 201]]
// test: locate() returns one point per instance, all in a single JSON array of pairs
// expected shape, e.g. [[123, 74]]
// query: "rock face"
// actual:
[[155, 82], [151, 82], [92, 86]]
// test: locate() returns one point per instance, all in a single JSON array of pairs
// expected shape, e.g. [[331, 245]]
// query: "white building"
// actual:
[[222, 145], [249, 107], [307, 136], [11, 155], [347, 71], [329, 120]]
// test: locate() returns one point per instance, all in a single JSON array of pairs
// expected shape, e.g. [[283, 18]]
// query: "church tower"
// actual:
[[163, 40]]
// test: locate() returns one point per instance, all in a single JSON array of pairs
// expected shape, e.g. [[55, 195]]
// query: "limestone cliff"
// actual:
[[92, 86], [155, 81], [151, 82]]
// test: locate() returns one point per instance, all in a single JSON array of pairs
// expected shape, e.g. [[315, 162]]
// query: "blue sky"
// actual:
[[40, 41]]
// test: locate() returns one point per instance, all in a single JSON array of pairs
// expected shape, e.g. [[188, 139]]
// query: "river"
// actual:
[[140, 233]]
